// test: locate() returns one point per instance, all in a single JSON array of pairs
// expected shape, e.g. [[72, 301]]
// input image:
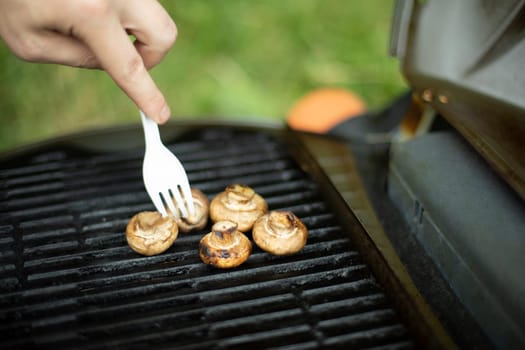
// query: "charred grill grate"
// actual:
[[69, 280]]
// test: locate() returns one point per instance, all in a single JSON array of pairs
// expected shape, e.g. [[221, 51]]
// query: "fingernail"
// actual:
[[165, 114]]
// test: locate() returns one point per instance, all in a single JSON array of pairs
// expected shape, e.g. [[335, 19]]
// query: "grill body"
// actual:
[[69, 279]]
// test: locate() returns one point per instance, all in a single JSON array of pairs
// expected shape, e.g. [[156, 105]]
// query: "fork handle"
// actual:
[[151, 132]]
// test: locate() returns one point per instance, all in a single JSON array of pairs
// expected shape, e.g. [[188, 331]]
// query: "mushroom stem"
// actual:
[[240, 192], [280, 233], [283, 222], [223, 234], [240, 204], [239, 197], [224, 246]]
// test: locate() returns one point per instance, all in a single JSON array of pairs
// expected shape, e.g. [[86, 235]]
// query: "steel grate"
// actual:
[[69, 280]]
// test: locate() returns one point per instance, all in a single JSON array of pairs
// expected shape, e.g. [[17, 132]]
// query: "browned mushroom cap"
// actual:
[[199, 219], [240, 204], [148, 233], [280, 233], [225, 246]]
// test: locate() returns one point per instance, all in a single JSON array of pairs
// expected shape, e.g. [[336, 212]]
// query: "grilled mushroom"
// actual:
[[199, 219], [148, 233], [280, 233], [225, 246], [240, 204]]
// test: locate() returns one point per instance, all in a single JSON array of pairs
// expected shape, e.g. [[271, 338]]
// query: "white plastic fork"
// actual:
[[164, 176]]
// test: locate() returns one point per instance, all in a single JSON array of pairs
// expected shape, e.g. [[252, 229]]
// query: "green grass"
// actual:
[[232, 59]]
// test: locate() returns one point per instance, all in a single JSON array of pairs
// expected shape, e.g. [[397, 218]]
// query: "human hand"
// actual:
[[94, 34]]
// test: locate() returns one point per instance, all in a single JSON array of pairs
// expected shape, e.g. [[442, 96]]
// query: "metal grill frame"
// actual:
[[330, 164]]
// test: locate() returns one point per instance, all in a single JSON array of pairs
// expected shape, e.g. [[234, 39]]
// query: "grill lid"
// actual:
[[471, 71]]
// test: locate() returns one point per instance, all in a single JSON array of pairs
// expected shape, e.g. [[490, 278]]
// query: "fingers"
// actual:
[[108, 41], [30, 34], [94, 33], [53, 47], [153, 28]]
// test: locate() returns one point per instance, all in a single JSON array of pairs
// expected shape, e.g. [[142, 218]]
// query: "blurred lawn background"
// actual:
[[232, 59]]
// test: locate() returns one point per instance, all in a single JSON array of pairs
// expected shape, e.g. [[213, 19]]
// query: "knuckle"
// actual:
[[87, 60], [94, 7], [169, 34], [134, 70], [29, 50], [166, 36]]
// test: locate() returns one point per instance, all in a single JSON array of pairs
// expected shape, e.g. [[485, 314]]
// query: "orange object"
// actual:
[[322, 109]]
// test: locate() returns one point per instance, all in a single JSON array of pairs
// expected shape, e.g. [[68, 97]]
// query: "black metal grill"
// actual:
[[69, 280]]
